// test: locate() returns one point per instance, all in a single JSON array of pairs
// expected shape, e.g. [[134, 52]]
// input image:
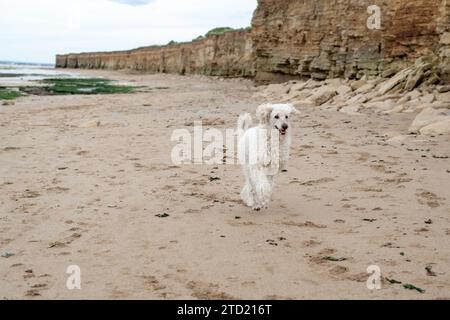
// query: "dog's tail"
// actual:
[[244, 122]]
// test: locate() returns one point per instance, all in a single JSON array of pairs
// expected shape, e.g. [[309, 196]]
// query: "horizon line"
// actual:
[[27, 62]]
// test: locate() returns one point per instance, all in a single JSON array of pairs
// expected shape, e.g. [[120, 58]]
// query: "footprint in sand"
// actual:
[[76, 234], [399, 179], [338, 270], [307, 224], [32, 293], [36, 283], [378, 167], [327, 258], [82, 153], [311, 183], [207, 291], [428, 198], [319, 258], [363, 156], [359, 277], [29, 194], [311, 243], [6, 149], [152, 284]]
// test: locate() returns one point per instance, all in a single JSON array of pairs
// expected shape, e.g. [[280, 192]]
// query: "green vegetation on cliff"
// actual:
[[220, 30]]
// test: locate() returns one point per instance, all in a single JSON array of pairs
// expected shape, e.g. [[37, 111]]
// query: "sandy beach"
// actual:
[[87, 180]]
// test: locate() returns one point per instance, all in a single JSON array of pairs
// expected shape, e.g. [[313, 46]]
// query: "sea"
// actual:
[[22, 72]]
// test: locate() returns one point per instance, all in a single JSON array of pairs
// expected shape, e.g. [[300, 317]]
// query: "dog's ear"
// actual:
[[293, 109], [263, 113]]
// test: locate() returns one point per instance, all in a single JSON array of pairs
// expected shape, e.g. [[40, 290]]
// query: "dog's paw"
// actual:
[[260, 207]]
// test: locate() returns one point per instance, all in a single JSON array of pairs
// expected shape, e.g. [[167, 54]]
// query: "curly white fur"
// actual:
[[263, 151]]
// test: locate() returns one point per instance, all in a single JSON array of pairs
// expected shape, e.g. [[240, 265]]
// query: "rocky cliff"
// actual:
[[228, 54], [330, 38], [316, 39]]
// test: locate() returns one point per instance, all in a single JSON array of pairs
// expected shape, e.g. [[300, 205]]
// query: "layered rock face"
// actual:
[[316, 39], [228, 54], [330, 38]]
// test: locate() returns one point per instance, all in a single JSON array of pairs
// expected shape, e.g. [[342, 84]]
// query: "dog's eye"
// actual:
[[287, 117], [277, 117]]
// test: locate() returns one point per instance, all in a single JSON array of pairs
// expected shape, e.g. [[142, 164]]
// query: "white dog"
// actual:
[[263, 151]]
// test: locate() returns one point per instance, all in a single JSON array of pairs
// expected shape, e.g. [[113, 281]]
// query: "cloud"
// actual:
[[134, 2], [48, 27]]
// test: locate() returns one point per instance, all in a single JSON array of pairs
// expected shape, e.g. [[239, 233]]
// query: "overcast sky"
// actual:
[[36, 30]]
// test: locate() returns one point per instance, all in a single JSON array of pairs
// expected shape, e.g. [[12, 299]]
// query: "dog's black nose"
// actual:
[[285, 126]]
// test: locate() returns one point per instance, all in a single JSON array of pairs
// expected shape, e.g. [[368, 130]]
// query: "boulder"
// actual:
[[329, 107], [334, 82], [404, 99], [397, 140], [295, 95], [415, 78], [441, 105], [396, 109], [388, 73], [322, 96], [444, 97], [415, 94], [395, 81], [359, 98], [381, 105], [429, 98], [366, 88], [358, 84], [443, 89], [428, 116], [299, 86], [279, 89], [351, 109], [344, 89], [388, 97], [445, 38], [413, 105], [301, 103], [440, 127]]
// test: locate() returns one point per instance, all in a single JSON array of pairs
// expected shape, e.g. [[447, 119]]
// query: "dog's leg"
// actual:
[[285, 150], [247, 194], [272, 183], [254, 188], [263, 190], [267, 188]]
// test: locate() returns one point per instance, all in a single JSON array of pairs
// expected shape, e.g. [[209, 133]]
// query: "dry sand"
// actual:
[[73, 194]]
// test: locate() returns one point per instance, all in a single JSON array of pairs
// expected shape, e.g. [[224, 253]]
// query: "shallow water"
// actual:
[[18, 74]]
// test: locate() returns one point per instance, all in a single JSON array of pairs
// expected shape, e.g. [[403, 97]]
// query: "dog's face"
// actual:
[[276, 116]]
